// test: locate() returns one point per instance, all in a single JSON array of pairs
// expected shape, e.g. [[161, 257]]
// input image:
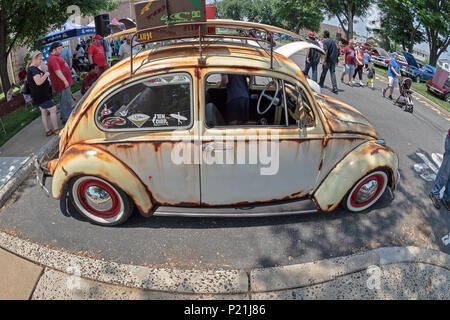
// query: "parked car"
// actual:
[[416, 70], [373, 52], [379, 59], [440, 84], [156, 137]]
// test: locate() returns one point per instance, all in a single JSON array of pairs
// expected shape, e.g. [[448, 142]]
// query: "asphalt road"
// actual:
[[407, 219]]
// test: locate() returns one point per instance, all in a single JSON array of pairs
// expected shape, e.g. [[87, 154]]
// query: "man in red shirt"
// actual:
[[61, 79], [349, 67], [96, 54]]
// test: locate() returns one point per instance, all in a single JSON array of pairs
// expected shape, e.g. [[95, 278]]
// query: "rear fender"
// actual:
[[81, 159], [365, 158]]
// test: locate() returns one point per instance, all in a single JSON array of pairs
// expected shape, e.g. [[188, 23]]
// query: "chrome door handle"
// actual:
[[213, 146]]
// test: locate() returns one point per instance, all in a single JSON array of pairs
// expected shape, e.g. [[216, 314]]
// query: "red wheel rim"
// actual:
[[380, 181], [81, 191]]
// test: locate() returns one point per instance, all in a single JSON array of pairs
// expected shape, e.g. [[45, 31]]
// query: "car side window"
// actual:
[[157, 103], [243, 100], [300, 111]]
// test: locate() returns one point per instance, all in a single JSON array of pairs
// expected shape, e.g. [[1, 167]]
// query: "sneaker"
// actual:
[[446, 204], [435, 200], [390, 98], [335, 91], [384, 92]]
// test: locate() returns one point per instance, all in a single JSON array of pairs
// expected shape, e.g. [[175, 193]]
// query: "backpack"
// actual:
[[314, 55]]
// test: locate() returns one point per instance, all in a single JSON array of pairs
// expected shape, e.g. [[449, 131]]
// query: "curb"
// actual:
[[308, 274], [220, 281], [22, 174]]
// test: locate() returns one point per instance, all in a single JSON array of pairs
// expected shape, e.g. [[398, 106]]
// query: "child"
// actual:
[[370, 75]]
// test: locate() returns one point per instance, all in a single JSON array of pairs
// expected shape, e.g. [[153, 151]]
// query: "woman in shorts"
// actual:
[[41, 92]]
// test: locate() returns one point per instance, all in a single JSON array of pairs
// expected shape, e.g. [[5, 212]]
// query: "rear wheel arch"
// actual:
[[366, 158]]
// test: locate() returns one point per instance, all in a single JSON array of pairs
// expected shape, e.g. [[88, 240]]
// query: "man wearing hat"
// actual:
[[96, 53], [61, 79], [312, 58], [393, 74]]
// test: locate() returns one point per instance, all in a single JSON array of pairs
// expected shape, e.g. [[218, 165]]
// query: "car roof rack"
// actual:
[[243, 32]]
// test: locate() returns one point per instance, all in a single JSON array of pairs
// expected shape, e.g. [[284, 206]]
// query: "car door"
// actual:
[[147, 124], [271, 160]]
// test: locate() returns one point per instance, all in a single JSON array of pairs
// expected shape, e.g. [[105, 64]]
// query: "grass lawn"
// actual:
[[20, 118], [419, 88]]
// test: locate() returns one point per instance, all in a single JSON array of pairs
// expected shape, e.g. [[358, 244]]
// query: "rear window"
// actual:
[[157, 103]]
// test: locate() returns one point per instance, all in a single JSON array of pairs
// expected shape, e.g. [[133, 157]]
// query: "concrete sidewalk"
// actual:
[[31, 271]]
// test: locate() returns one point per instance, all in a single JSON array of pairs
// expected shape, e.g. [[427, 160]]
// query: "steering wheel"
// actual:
[[273, 100]]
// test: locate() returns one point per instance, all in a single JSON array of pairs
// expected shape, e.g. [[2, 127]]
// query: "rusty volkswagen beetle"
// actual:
[[159, 138]]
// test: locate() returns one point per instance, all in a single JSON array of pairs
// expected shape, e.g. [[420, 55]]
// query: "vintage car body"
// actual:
[[416, 70], [440, 84], [335, 158]]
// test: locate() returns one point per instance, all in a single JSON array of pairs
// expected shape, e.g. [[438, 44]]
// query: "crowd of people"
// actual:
[[356, 62], [40, 81]]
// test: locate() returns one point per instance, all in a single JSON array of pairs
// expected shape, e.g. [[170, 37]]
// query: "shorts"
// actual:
[[393, 82], [349, 69], [369, 80], [237, 110], [46, 104]]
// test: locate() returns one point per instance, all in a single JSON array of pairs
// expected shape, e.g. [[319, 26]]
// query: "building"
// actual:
[[444, 63], [421, 55], [323, 26]]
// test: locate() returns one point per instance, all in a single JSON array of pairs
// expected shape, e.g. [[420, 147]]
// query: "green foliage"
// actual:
[[402, 25], [23, 22], [432, 15], [290, 14], [346, 10]]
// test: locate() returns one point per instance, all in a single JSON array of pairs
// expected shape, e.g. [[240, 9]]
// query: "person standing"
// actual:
[[370, 75], [117, 43], [96, 54], [393, 74], [67, 56], [312, 58], [349, 67], [41, 92], [125, 48], [359, 62], [367, 58], [61, 79], [79, 51], [442, 179], [330, 60]]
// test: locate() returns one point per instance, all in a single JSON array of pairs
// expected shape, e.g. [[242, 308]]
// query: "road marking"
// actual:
[[446, 239], [422, 168]]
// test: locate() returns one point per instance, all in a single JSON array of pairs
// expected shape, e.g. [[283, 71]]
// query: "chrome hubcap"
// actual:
[[367, 191], [98, 198]]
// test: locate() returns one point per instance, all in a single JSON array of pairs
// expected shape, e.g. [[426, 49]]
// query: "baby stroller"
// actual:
[[405, 99]]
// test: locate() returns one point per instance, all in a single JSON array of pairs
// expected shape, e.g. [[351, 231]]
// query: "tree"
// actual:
[[23, 22], [297, 14], [435, 18], [346, 11], [290, 14], [401, 23]]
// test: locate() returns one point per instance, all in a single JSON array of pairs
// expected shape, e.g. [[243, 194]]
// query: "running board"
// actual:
[[280, 209]]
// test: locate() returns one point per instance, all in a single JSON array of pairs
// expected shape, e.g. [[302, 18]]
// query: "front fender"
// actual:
[[81, 159], [365, 158]]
